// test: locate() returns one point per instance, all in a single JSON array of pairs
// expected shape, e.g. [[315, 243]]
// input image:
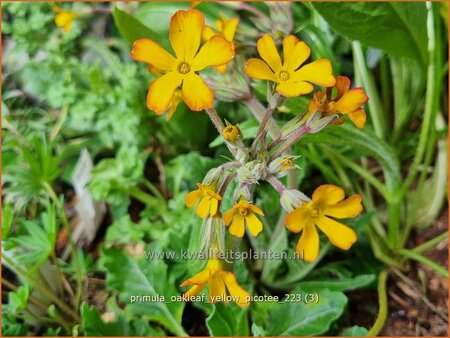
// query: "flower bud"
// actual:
[[291, 199], [281, 165], [231, 132], [212, 233]]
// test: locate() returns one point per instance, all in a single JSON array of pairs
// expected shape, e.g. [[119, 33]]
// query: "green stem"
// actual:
[[142, 196], [425, 261], [431, 243], [383, 306], [47, 293]]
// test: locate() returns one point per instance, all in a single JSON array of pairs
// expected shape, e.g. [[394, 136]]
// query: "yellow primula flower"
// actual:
[[219, 281], [209, 200], [226, 28], [231, 132], [327, 201], [347, 102], [241, 214], [291, 77], [64, 19], [181, 71]]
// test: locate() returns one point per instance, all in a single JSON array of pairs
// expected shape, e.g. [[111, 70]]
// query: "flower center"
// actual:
[[283, 75], [314, 213], [183, 68], [243, 211]]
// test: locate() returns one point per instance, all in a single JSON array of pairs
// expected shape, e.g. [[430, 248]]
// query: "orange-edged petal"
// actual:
[[342, 86], [328, 194], [268, 52], [350, 207], [192, 198], [291, 89], [216, 51], [358, 117], [258, 69], [318, 72], [148, 51], [296, 220], [295, 52], [237, 227], [196, 94], [199, 279], [308, 245], [256, 210], [351, 101], [161, 92], [203, 207], [216, 288], [241, 296], [194, 291], [185, 33], [254, 224], [339, 234]]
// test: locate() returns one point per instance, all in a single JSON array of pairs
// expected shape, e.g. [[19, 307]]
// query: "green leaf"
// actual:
[[227, 320], [355, 331], [132, 278], [7, 220], [342, 284], [372, 22], [131, 28], [297, 318], [93, 324]]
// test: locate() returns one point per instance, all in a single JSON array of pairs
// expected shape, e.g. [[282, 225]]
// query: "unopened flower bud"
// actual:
[[316, 122], [291, 199], [231, 132], [212, 233], [281, 165]]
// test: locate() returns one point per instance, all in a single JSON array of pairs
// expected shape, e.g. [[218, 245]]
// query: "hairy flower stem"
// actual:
[[274, 182], [294, 137], [258, 110]]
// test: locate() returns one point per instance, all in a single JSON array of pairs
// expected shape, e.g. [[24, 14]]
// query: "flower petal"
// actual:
[[258, 69], [185, 33], [342, 86], [207, 33], [216, 51], [214, 206], [256, 210], [216, 288], [161, 92], [295, 52], [237, 226], [228, 216], [339, 234], [241, 296], [291, 89], [199, 279], [350, 207], [148, 51], [227, 27], [328, 194], [203, 207], [268, 52], [194, 291], [358, 117], [196, 94], [351, 101], [308, 245], [254, 224], [192, 198], [296, 220], [318, 72]]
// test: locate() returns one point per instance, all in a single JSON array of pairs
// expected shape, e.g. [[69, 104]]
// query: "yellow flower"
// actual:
[[291, 77], [226, 28], [209, 200], [347, 102], [231, 132], [181, 71], [243, 213], [219, 281], [64, 19], [327, 201]]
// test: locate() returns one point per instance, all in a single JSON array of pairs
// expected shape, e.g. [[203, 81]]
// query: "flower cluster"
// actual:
[[265, 158]]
